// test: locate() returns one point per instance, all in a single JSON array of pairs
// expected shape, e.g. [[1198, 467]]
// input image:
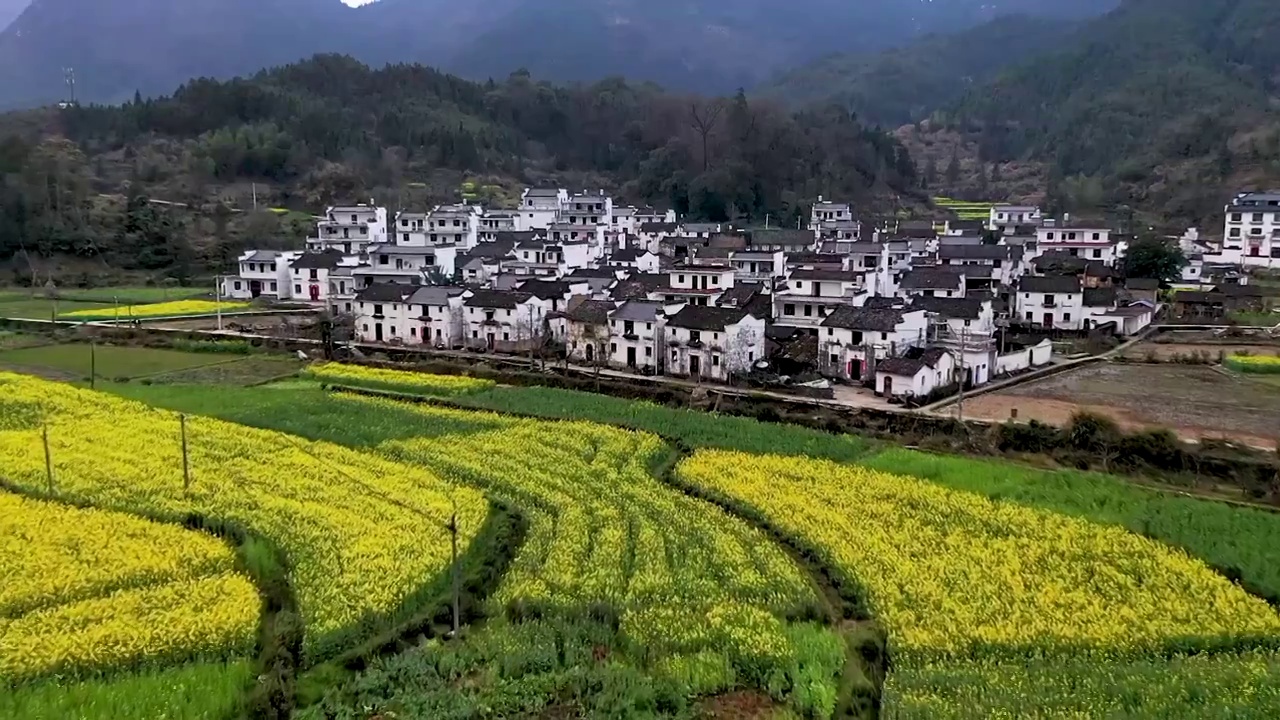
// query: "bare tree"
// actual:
[[704, 118], [738, 350]]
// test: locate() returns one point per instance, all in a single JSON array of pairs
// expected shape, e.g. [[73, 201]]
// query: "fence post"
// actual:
[[48, 460], [93, 366], [457, 572], [186, 467]]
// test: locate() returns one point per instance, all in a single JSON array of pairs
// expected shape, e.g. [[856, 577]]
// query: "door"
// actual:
[[888, 386], [695, 365], [1048, 320], [489, 341], [591, 353], [631, 357], [377, 332], [255, 287]]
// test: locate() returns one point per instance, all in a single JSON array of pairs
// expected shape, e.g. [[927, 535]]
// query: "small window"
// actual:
[[506, 336], [365, 327], [679, 278], [1066, 317], [237, 284], [297, 289], [1049, 236], [648, 352], [715, 361], [884, 336], [831, 331], [1097, 253], [273, 287], [788, 309], [475, 334]]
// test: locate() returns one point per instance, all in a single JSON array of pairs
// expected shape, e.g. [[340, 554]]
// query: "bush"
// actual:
[[1033, 437], [1092, 433]]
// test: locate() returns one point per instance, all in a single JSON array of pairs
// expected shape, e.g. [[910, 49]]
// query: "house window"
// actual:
[[675, 355], [237, 284], [476, 335], [1235, 232], [313, 275], [1097, 236], [835, 359], [799, 284], [377, 310], [648, 352], [506, 336], [715, 361], [884, 336], [365, 327], [613, 348], [393, 329], [1049, 236], [1097, 253], [297, 289], [715, 280], [788, 309], [1066, 317], [348, 307], [751, 356], [648, 326], [679, 278], [830, 331], [695, 336], [1028, 316], [273, 287], [808, 310]]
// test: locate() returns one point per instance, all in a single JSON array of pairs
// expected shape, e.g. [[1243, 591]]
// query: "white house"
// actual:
[[1091, 242], [493, 222], [651, 234], [811, 295], [1003, 216], [410, 229], [385, 315], [966, 327], [638, 333], [917, 374], [788, 241], [260, 273], [762, 266], [712, 342], [853, 339], [1055, 302], [407, 265], [439, 314], [1252, 235], [940, 281], [589, 213], [457, 225], [350, 229], [540, 207], [991, 266], [1108, 306], [555, 294], [826, 214], [323, 277], [503, 321], [697, 284], [638, 259]]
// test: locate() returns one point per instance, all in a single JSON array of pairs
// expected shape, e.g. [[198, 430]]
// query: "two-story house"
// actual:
[[260, 273], [788, 241], [966, 327], [555, 294], [324, 277], [940, 281], [439, 314], [852, 339], [457, 225], [713, 343], [407, 265], [383, 314], [825, 214], [809, 296], [638, 259], [1052, 302], [588, 213], [410, 229], [503, 321], [758, 266], [493, 222], [1004, 216], [986, 267], [638, 336], [1084, 240], [585, 331], [696, 284]]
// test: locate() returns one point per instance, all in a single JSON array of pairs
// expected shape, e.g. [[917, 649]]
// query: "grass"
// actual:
[[133, 295], [694, 427], [1260, 319], [74, 360], [238, 373], [21, 307], [1240, 542], [198, 691]]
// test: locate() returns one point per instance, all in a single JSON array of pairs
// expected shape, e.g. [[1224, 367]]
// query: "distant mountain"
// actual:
[[120, 46], [1162, 103], [907, 84], [10, 9]]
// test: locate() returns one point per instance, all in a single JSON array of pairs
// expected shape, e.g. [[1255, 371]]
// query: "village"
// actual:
[[910, 311]]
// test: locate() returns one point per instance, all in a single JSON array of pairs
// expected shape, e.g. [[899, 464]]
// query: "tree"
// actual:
[[953, 171], [1153, 257]]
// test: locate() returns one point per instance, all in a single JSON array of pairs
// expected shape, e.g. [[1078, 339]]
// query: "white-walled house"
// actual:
[[540, 207], [407, 265], [260, 273], [826, 214], [1252, 234], [350, 229], [758, 266], [457, 225], [410, 229], [1091, 242], [966, 327], [1003, 216], [638, 334], [638, 259], [697, 284], [503, 321], [493, 222], [713, 342], [811, 295], [916, 375], [440, 314], [1053, 302], [324, 277], [853, 339], [383, 314], [1002, 263], [587, 337], [939, 281], [555, 294]]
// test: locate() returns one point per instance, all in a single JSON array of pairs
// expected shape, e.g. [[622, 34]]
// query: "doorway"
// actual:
[[1048, 320], [255, 288], [888, 386], [631, 357], [695, 365], [377, 332]]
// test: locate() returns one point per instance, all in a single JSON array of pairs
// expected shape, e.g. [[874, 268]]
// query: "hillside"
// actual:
[[331, 129], [907, 84], [1163, 104], [10, 9], [685, 44]]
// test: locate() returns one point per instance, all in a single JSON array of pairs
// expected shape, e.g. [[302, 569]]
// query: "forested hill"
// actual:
[[906, 84], [333, 129], [1165, 104]]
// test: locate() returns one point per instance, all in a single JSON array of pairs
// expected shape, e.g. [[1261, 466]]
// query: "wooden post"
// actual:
[[457, 573], [186, 467], [93, 365], [48, 461]]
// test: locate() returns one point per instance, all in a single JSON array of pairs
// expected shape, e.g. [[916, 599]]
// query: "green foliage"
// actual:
[[199, 691], [1153, 257]]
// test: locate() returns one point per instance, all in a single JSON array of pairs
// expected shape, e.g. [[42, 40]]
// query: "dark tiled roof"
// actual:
[[496, 299], [1238, 290], [326, 260], [1050, 284], [1099, 297], [658, 227], [864, 318], [881, 302], [978, 252], [592, 274], [1197, 297], [627, 255], [915, 361], [262, 256], [386, 292], [933, 278], [740, 294], [435, 294], [825, 275], [699, 317], [545, 289], [638, 311], [1142, 284], [638, 286], [593, 312], [792, 238], [728, 241], [957, 308]]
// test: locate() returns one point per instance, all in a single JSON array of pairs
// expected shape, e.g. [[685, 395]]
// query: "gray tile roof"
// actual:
[[913, 363], [864, 318], [435, 294], [933, 278], [496, 299], [957, 308], [637, 311], [1050, 284], [593, 312], [698, 317], [386, 292], [326, 260]]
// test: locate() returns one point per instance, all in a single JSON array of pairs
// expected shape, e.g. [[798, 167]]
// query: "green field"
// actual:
[[966, 210], [25, 304], [198, 691], [21, 307], [73, 361]]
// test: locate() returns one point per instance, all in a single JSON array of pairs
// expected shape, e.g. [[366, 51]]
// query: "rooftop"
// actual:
[[638, 311], [915, 361], [700, 317], [435, 294], [1050, 284], [937, 278], [386, 292], [879, 319], [951, 308], [496, 299]]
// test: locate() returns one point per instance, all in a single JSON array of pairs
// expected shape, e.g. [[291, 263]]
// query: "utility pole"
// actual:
[[93, 365], [217, 294], [457, 572], [186, 467], [531, 365], [48, 460], [964, 339]]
